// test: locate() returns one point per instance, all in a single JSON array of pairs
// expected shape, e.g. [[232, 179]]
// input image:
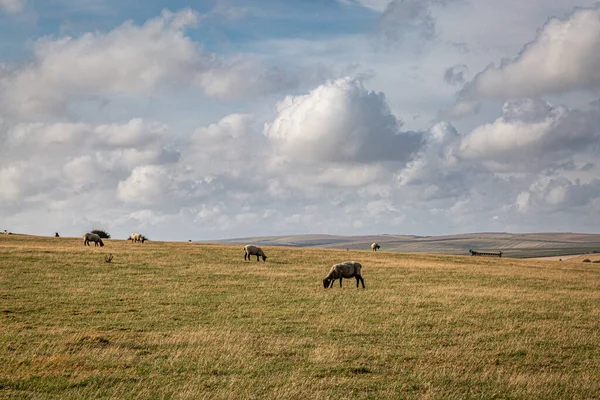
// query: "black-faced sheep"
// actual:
[[250, 250], [56, 234], [92, 237], [375, 246], [348, 269]]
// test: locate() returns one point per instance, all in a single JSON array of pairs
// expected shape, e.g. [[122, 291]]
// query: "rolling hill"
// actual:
[[520, 245]]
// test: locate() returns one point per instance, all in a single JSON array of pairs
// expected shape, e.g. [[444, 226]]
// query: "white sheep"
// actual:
[[92, 237], [136, 237], [375, 246], [348, 269], [250, 250]]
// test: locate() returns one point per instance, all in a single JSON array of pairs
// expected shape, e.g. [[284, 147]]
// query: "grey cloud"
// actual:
[[456, 75], [242, 79], [404, 19], [532, 135], [555, 193], [12, 6], [587, 167], [436, 173], [462, 109]]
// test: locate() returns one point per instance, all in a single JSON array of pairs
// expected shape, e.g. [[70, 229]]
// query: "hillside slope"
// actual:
[[522, 245]]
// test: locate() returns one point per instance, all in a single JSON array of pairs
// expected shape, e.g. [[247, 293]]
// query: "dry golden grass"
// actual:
[[190, 321], [593, 257]]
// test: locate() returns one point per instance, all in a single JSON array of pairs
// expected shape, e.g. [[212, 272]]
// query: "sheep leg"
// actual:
[[257, 257], [361, 280], [340, 282], [331, 283], [245, 256]]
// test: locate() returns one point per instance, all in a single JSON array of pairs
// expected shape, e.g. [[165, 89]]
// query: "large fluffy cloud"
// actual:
[[564, 56], [62, 158], [131, 60], [340, 121]]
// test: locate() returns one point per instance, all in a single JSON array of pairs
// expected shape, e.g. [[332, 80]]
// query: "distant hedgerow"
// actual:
[[101, 233]]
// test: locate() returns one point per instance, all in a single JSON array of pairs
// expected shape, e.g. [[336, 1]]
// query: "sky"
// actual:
[[217, 119]]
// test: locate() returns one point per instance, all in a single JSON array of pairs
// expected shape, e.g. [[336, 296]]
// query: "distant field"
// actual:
[[193, 321], [520, 245]]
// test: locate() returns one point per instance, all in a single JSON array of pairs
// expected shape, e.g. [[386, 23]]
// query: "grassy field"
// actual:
[[193, 321]]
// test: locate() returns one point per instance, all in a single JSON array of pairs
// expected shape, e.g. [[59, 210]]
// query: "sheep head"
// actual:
[[326, 282], [264, 257]]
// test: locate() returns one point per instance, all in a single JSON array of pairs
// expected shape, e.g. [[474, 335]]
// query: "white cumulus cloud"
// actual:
[[340, 121], [131, 60], [532, 135], [564, 56]]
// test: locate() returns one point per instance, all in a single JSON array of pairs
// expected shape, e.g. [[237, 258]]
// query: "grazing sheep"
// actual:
[[250, 250], [375, 246], [136, 237], [348, 269], [92, 237]]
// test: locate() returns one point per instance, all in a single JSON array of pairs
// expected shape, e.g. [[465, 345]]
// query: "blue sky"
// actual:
[[218, 119], [259, 20]]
